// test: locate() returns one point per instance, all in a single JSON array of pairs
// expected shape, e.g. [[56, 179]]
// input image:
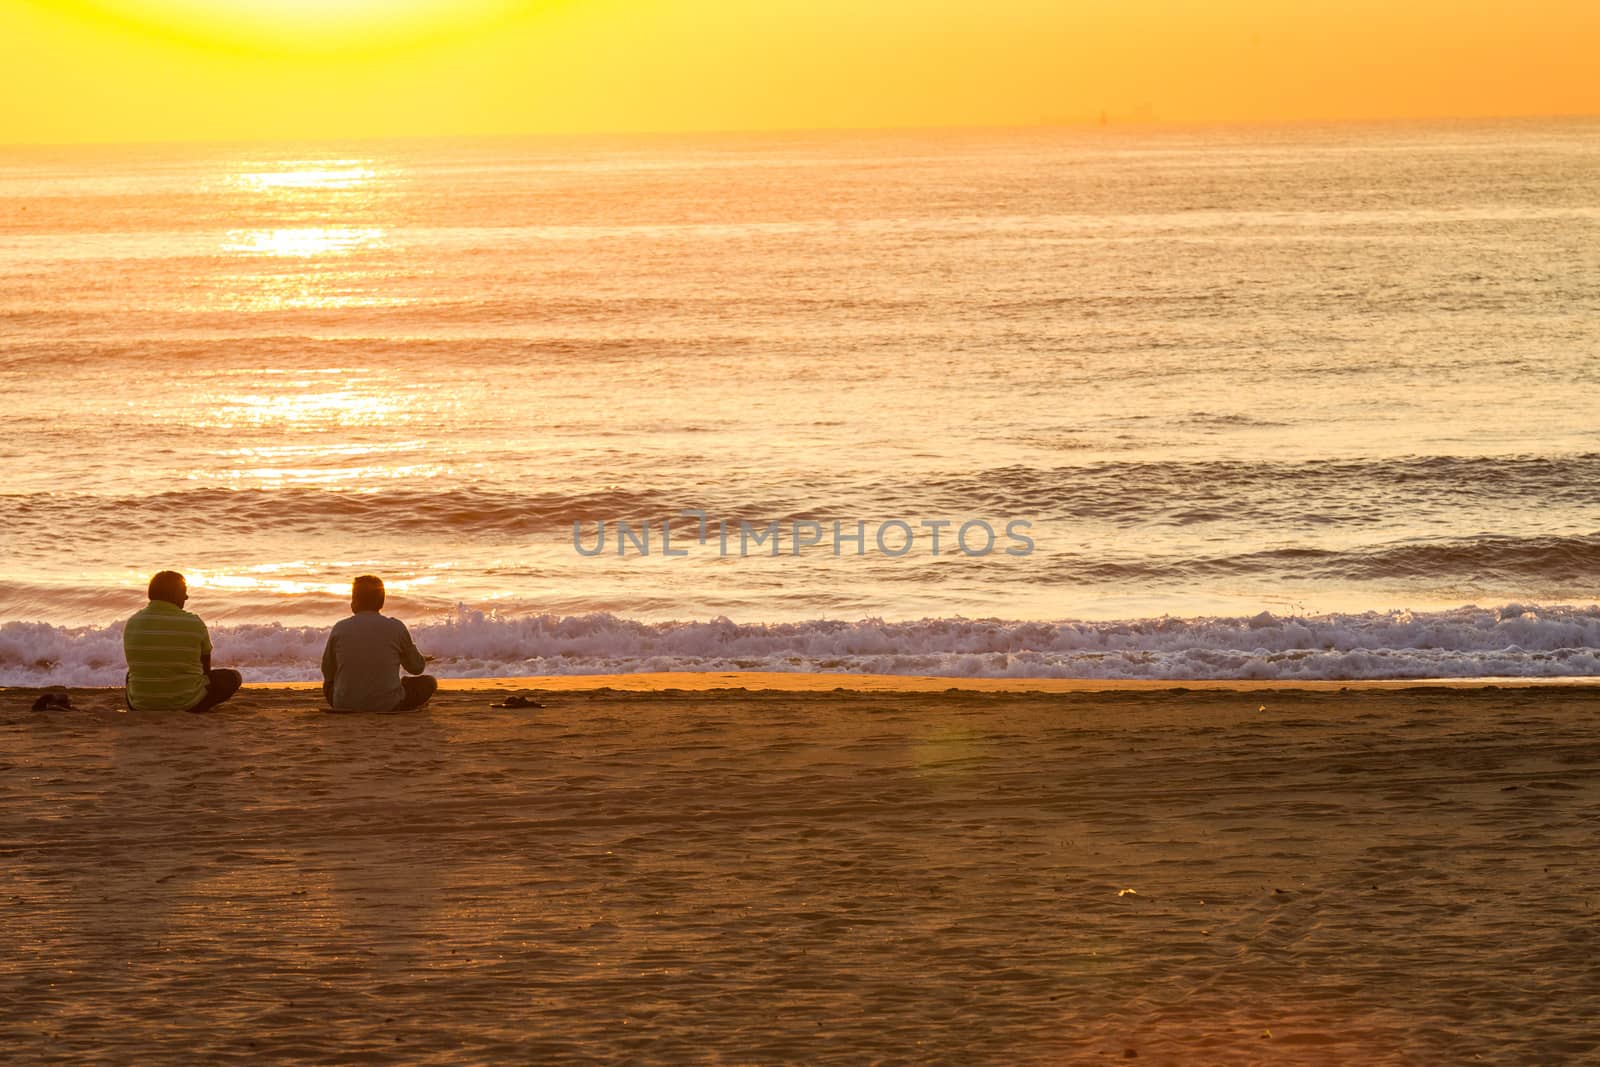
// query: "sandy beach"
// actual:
[[1351, 874]]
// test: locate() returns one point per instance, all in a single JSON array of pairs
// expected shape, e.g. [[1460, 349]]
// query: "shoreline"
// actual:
[[811, 682]]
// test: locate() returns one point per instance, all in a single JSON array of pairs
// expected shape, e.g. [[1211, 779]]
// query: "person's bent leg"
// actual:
[[221, 683], [419, 691]]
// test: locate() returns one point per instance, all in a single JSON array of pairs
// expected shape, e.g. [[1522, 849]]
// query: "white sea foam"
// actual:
[[1511, 641]]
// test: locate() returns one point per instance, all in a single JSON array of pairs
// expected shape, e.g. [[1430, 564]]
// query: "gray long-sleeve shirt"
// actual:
[[363, 659]]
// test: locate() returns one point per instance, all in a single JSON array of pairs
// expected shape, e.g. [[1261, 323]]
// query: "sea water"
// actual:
[[1310, 401]]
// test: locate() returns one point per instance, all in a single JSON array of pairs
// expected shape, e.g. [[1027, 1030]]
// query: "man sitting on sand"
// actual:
[[361, 665], [169, 654]]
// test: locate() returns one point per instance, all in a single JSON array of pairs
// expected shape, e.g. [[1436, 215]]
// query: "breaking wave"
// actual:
[[1514, 640]]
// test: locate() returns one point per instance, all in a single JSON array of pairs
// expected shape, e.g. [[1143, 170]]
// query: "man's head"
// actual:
[[170, 587], [366, 593]]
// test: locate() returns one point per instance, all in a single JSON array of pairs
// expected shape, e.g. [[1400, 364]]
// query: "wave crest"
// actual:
[[1511, 641]]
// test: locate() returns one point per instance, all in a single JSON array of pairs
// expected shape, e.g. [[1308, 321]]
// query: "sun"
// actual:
[[304, 26]]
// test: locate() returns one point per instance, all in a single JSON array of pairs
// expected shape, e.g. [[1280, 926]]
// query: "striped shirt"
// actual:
[[163, 645]]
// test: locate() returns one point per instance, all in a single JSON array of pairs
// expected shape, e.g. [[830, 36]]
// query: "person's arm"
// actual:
[[330, 662], [410, 658], [205, 649]]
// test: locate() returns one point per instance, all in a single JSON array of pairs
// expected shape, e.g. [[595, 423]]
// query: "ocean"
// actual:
[[1232, 402]]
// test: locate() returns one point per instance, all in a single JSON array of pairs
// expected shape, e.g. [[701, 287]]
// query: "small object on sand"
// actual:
[[518, 702], [1262, 708], [1127, 892], [53, 702]]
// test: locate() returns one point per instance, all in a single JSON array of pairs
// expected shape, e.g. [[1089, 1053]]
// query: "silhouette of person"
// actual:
[[168, 651], [362, 661]]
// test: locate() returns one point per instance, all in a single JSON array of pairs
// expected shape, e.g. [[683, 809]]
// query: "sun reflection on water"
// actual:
[[304, 241], [339, 407], [260, 400], [309, 175], [302, 578], [307, 235], [330, 477]]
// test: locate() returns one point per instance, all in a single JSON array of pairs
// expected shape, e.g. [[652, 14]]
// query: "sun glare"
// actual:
[[305, 25]]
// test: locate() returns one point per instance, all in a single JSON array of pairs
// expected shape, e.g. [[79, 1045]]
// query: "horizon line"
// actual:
[[1085, 123]]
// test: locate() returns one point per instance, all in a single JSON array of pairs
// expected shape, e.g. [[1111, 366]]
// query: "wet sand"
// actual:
[[1344, 874]]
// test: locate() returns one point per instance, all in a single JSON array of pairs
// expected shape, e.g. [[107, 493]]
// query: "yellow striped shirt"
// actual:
[[163, 645]]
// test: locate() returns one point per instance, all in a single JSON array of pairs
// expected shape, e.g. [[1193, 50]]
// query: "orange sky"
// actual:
[[121, 70]]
